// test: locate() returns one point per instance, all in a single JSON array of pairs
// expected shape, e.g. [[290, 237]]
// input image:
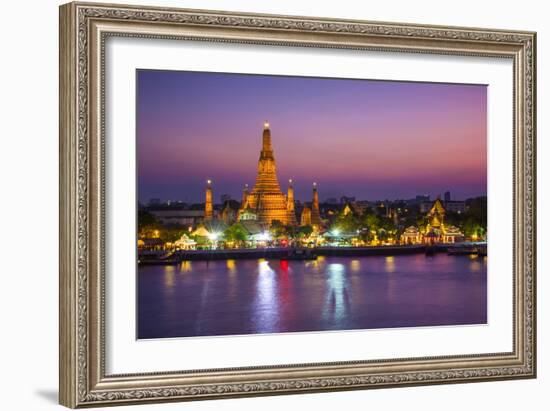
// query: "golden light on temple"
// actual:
[[208, 204], [266, 202]]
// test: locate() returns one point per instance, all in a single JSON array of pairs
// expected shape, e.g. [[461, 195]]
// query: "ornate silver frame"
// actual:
[[83, 30]]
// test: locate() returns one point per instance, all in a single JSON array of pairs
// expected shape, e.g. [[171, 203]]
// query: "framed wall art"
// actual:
[[260, 204]]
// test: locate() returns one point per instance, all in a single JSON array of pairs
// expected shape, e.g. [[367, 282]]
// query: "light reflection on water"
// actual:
[[169, 276], [186, 267], [266, 303], [331, 293], [231, 266], [390, 264], [336, 298]]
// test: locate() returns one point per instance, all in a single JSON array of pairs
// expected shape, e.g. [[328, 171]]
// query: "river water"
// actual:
[[231, 297]]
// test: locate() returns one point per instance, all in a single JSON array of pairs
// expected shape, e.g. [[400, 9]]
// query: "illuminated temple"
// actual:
[[436, 230], [266, 203]]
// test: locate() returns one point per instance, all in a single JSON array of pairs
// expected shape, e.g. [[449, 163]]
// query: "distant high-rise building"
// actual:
[[224, 198], [447, 196], [347, 200]]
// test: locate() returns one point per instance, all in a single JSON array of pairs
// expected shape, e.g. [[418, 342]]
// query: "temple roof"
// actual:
[[252, 227], [412, 230], [437, 207]]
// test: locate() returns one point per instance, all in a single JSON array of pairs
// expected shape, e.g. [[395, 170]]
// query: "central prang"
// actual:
[[266, 203]]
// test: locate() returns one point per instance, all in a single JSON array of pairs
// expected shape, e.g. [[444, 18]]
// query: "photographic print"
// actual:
[[303, 193], [277, 204]]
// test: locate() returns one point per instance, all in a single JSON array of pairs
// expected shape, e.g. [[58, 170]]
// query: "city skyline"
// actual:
[[324, 200], [367, 139]]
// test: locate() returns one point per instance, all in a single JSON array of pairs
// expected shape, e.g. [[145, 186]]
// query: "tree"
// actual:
[[347, 223], [474, 221], [372, 222], [147, 221], [305, 230], [169, 235], [278, 230], [387, 224], [236, 233]]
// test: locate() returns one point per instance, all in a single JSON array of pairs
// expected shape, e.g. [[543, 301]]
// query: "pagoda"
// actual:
[[266, 200], [315, 213]]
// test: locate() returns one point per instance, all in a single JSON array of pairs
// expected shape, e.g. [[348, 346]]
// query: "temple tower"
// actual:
[[305, 218], [208, 206], [315, 213], [245, 197], [290, 203], [266, 199]]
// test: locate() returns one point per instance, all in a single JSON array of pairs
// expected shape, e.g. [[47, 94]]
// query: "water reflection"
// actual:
[[231, 267], [203, 303], [475, 265], [317, 264], [266, 304], [186, 267], [334, 293], [336, 299], [390, 264], [169, 276]]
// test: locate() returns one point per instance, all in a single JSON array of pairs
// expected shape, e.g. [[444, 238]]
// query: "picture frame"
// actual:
[[84, 30]]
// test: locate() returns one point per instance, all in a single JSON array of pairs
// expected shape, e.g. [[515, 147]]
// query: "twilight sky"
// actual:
[[368, 139]]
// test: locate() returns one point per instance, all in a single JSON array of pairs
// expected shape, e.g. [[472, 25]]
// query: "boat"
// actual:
[[166, 259], [300, 254]]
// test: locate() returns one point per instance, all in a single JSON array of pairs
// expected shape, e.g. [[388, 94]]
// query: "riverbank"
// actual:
[[283, 253]]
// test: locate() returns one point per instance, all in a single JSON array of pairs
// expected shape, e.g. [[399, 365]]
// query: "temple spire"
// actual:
[[245, 197], [266, 199], [315, 213], [290, 203], [267, 149], [208, 205]]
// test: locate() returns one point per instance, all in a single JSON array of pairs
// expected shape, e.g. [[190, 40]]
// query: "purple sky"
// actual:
[[368, 139]]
